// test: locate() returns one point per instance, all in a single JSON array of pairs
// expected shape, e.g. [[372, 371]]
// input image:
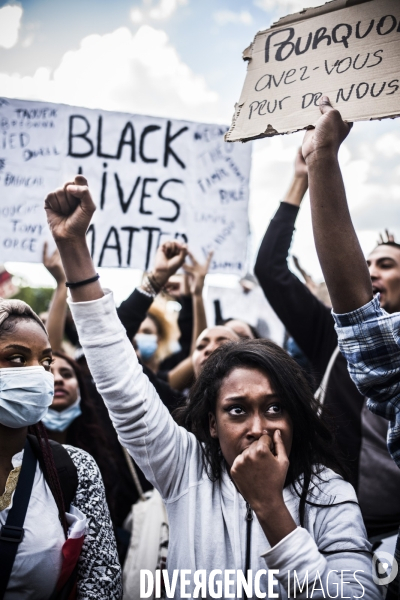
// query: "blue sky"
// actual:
[[182, 58]]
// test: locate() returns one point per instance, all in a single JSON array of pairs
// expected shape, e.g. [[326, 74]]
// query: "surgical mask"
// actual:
[[25, 395], [147, 344], [60, 420]]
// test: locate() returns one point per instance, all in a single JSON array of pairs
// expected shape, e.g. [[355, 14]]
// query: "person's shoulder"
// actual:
[[83, 461], [328, 487]]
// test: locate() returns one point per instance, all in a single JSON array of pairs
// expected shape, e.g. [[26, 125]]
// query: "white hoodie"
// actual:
[[207, 520]]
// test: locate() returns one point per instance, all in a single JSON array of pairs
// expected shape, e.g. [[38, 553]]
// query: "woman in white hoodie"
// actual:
[[246, 482]]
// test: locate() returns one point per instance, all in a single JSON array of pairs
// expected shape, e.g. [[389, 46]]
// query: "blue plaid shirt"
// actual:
[[369, 339]]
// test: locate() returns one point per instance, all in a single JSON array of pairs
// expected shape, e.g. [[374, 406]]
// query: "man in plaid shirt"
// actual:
[[368, 336]]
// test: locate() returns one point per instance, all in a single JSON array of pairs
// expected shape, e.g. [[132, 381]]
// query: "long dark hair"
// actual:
[[313, 441], [86, 432]]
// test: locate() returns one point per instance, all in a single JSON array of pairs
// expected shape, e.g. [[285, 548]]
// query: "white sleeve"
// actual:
[[337, 564], [164, 451]]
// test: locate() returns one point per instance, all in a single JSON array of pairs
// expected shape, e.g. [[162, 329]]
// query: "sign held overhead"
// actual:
[[348, 50]]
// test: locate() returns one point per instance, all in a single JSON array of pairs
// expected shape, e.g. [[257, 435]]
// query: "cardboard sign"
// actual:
[[348, 50], [152, 179]]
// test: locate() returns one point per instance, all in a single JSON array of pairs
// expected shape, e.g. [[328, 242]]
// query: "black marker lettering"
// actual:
[[145, 132], [297, 46], [174, 202], [381, 24], [344, 38], [125, 205], [99, 140], [395, 86], [128, 132], [144, 195], [358, 35], [262, 104], [281, 101], [103, 187], [106, 246], [168, 141], [131, 230], [359, 94], [341, 94], [380, 59], [251, 107], [364, 63], [319, 36], [287, 42], [380, 91], [149, 244], [82, 135], [343, 62], [289, 74], [275, 105], [302, 78]]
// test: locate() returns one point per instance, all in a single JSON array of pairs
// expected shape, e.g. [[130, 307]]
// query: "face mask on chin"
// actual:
[[56, 420], [25, 395], [147, 344]]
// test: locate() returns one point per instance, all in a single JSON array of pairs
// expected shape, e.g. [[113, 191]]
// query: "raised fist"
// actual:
[[69, 210]]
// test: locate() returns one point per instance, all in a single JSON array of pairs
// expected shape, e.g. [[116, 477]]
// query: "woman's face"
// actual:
[[148, 326], [26, 346], [208, 341], [247, 408], [66, 385]]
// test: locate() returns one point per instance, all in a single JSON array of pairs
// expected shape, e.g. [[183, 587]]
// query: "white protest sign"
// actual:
[[152, 179], [348, 50]]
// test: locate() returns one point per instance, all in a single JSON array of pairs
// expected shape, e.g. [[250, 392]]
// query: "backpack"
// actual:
[[68, 477], [67, 473]]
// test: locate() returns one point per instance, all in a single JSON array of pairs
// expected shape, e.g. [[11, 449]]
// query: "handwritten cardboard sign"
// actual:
[[346, 49], [152, 179]]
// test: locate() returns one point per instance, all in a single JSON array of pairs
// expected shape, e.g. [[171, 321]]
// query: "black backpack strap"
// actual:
[[12, 532], [67, 472]]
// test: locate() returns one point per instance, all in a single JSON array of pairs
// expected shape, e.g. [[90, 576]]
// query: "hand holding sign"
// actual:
[[69, 210], [329, 132]]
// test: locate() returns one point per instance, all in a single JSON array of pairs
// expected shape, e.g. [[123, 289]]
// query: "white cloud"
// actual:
[[137, 15], [10, 22], [286, 7], [159, 12], [223, 17], [165, 9], [122, 71]]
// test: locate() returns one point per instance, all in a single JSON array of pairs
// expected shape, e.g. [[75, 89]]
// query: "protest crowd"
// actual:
[[142, 457]]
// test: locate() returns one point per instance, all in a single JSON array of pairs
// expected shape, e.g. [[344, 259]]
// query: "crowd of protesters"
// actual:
[[130, 441]]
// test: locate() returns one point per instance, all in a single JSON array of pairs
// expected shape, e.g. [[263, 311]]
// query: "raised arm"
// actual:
[[339, 252], [306, 318], [58, 306], [169, 258], [69, 211], [144, 426]]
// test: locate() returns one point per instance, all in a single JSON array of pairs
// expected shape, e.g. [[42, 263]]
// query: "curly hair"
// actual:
[[313, 441]]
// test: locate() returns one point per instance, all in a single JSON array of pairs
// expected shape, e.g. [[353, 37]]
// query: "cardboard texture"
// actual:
[[348, 50]]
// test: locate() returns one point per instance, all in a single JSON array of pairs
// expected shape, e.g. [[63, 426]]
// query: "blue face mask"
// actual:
[[25, 395], [60, 420], [147, 344]]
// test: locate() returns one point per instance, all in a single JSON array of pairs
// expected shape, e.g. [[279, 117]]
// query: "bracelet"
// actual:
[[156, 287], [84, 282], [147, 288]]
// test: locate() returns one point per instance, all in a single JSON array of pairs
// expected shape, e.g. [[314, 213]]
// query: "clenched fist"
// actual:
[[69, 210]]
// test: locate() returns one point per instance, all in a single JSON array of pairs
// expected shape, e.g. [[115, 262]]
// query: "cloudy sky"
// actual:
[[182, 58]]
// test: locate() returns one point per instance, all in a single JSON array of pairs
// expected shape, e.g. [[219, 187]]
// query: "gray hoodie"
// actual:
[[207, 519]]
